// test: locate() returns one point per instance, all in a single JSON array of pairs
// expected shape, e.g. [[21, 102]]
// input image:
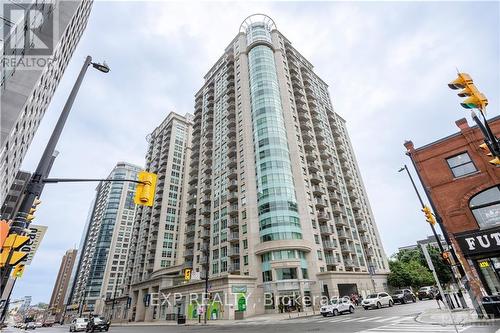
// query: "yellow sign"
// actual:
[[187, 274], [484, 264]]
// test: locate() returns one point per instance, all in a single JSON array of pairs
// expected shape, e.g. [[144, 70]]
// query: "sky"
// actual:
[[387, 65]]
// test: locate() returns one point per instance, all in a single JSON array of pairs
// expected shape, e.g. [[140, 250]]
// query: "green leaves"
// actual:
[[409, 269]]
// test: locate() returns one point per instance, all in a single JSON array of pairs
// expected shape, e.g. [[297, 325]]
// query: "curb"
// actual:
[[463, 322]]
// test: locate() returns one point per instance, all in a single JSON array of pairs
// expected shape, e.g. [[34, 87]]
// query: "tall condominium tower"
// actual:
[[101, 266], [158, 240], [276, 207], [56, 305], [26, 90], [276, 191]]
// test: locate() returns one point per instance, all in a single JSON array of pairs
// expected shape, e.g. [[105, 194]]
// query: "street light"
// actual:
[[35, 185]]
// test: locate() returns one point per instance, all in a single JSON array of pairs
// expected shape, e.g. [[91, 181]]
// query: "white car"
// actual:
[[337, 306], [377, 301], [78, 324]]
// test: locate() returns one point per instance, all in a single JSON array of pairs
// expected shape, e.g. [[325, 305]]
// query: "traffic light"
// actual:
[[12, 243], [475, 99], [31, 215], [485, 149], [18, 271], [145, 190], [446, 257], [429, 217], [187, 274]]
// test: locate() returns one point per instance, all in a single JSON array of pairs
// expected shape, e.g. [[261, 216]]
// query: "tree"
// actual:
[[409, 268]]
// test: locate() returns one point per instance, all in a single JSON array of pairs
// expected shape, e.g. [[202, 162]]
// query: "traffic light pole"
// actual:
[[439, 220], [35, 185], [441, 249]]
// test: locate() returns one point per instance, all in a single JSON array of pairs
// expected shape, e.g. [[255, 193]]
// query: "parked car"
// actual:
[[101, 324], [426, 292], [403, 295], [38, 324], [30, 326], [337, 306], [377, 301], [78, 324]]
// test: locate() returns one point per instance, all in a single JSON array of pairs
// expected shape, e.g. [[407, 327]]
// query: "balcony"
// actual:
[[205, 222], [313, 166], [233, 268], [205, 199], [355, 205], [325, 230], [320, 203], [329, 245], [331, 261], [317, 190], [233, 237], [349, 263], [232, 197], [362, 228], [232, 173], [323, 216], [232, 185], [232, 162], [189, 241], [315, 178], [234, 252], [190, 229], [233, 210], [191, 218], [342, 234], [336, 210], [205, 234], [347, 248], [233, 223], [340, 222], [231, 153], [188, 253], [191, 208], [329, 174], [365, 240], [192, 198], [334, 197], [358, 217], [206, 210]]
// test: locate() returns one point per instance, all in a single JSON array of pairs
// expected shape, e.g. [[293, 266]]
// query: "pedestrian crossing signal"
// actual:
[[18, 271]]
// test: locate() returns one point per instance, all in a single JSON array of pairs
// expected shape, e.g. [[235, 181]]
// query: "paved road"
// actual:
[[398, 319]]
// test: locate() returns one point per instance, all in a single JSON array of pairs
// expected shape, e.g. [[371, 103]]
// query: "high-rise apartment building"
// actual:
[[103, 259], [158, 241], [26, 90], [56, 305], [276, 206]]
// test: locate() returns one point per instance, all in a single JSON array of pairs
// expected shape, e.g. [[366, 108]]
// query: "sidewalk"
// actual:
[[258, 318], [460, 317]]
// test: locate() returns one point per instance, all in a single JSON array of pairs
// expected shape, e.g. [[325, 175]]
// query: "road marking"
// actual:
[[387, 319], [368, 319], [412, 328]]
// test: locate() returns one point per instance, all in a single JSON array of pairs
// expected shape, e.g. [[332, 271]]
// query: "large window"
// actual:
[[461, 165], [486, 207]]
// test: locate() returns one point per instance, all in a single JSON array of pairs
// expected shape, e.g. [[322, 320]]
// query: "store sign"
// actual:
[[479, 242], [484, 264]]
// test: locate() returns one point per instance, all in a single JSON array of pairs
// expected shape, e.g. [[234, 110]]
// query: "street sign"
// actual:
[[36, 233]]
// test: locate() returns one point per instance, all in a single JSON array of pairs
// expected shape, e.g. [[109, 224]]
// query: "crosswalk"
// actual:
[[337, 319], [413, 327]]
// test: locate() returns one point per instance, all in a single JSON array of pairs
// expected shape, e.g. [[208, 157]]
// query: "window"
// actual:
[[485, 207], [461, 165]]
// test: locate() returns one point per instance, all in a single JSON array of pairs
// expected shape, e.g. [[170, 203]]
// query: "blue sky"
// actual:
[[387, 64]]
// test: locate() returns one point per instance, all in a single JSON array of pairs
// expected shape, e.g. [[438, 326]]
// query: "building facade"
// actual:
[[158, 240], [429, 241], [465, 189], [276, 206], [26, 91], [57, 305], [12, 200], [104, 255]]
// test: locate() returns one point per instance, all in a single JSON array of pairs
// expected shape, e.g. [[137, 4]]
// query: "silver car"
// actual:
[[78, 324]]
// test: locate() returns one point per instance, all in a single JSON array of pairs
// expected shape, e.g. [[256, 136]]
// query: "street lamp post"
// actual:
[[35, 185]]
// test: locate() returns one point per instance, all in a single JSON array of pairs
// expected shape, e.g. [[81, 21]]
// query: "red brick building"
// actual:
[[465, 190]]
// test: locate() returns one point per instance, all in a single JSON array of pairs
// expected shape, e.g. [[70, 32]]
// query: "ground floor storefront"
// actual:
[[481, 251], [237, 296]]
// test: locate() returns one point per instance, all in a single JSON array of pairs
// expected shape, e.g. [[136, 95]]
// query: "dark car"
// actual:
[[426, 292], [101, 324], [403, 295]]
